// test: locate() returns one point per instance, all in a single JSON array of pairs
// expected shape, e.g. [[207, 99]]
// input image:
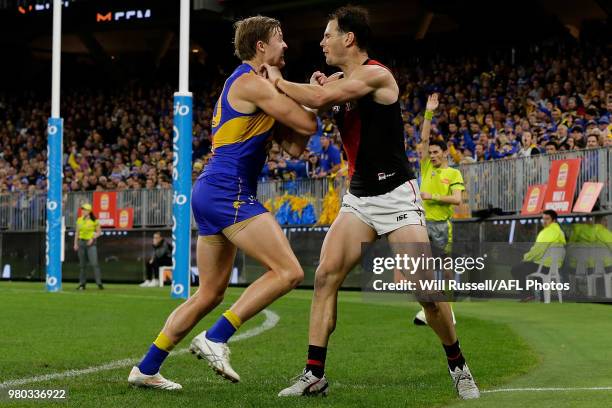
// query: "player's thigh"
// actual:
[[410, 240], [341, 249], [263, 239], [413, 241], [415, 234], [215, 259]]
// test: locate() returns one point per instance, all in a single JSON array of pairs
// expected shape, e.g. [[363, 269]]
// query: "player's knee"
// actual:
[[326, 276], [292, 276], [211, 296]]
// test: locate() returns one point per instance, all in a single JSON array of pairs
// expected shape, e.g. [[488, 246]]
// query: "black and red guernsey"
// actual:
[[373, 139]]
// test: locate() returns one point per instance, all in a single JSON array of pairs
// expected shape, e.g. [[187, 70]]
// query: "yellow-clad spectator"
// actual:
[[87, 232], [551, 235]]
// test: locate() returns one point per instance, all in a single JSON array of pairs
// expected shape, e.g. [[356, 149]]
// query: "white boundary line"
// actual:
[[549, 389], [271, 321]]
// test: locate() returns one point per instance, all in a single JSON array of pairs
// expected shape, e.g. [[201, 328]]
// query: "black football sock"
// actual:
[[316, 360], [454, 356]]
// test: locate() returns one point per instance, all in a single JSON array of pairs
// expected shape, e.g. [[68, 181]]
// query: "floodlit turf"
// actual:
[[376, 357]]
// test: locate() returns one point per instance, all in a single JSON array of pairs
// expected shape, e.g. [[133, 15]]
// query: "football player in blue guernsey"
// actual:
[[226, 209]]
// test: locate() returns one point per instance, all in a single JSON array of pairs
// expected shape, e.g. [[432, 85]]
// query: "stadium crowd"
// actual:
[[489, 109]]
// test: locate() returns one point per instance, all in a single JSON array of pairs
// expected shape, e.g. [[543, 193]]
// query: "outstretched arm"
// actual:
[[262, 94], [363, 81], [432, 105]]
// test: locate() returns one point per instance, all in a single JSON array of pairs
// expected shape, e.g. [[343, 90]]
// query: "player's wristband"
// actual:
[[435, 197], [428, 115]]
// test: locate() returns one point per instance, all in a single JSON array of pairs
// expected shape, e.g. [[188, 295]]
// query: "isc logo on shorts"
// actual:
[[402, 217]]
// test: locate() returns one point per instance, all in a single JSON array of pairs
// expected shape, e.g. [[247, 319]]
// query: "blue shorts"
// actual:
[[220, 200]]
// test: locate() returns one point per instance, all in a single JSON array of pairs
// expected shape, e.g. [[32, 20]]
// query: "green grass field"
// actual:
[[377, 357]]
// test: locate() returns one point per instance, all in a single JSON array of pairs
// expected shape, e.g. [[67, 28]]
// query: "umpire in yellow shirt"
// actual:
[[441, 185], [441, 188], [87, 231]]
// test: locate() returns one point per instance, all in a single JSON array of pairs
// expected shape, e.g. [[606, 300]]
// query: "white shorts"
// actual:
[[387, 212]]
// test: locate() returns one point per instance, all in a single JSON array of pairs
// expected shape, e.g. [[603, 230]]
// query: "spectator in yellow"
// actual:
[[595, 235], [87, 232], [551, 235]]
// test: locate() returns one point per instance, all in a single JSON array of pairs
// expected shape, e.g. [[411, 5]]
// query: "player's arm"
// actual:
[[432, 105], [364, 80], [289, 141], [262, 94]]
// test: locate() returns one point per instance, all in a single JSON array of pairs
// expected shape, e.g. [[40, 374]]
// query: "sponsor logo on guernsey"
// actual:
[[383, 176]]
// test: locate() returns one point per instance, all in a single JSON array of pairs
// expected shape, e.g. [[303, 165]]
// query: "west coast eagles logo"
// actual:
[[238, 203]]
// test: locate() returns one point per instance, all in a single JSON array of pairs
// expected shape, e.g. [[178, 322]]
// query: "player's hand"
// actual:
[[76, 247], [425, 196], [270, 72], [318, 78], [90, 242], [334, 77], [432, 102]]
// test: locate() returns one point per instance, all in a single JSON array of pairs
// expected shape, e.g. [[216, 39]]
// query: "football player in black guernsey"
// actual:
[[383, 196]]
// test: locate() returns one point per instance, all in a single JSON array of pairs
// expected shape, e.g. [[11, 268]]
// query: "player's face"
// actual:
[[275, 49], [332, 43], [546, 220]]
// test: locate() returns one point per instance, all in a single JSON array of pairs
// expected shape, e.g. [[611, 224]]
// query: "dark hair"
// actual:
[[248, 31], [593, 135], [552, 213], [552, 144], [440, 144], [356, 20]]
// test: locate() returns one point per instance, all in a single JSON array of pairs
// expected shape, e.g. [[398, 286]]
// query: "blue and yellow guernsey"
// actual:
[[239, 139], [226, 192]]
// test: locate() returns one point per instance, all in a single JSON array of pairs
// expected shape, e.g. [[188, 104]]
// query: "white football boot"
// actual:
[[306, 384], [145, 284], [464, 383], [138, 379], [217, 355], [421, 320]]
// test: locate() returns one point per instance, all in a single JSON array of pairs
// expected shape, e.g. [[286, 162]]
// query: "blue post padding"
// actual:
[[53, 228], [181, 203]]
